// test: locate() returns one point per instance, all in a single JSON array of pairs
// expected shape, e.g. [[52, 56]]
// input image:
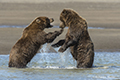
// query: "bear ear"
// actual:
[[64, 11], [38, 20]]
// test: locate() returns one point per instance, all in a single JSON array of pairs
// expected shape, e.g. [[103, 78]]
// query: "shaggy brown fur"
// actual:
[[32, 38], [77, 38]]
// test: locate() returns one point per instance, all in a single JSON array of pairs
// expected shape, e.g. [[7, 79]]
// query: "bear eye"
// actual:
[[64, 12], [38, 20]]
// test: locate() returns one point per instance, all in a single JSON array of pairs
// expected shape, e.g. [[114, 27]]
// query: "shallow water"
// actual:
[[61, 66], [23, 26]]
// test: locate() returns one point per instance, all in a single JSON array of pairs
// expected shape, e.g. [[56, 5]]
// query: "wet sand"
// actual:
[[97, 14], [103, 39]]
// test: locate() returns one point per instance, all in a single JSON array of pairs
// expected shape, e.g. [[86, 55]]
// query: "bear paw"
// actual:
[[55, 45], [61, 50]]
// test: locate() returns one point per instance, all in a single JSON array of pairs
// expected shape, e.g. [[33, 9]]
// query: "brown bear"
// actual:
[[77, 38], [32, 38]]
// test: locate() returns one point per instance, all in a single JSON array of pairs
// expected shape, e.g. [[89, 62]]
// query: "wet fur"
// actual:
[[77, 38], [32, 38]]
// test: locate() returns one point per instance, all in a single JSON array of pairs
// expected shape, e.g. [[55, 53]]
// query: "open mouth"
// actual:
[[49, 25], [51, 20]]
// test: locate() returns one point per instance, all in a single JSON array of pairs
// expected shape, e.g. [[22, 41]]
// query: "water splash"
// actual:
[[107, 66], [66, 58], [45, 48], [47, 59]]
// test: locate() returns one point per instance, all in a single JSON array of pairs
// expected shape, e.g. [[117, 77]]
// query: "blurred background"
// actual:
[[98, 13], [103, 16]]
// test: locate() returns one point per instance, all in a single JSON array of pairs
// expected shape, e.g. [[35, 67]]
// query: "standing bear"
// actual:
[[32, 38], [77, 38]]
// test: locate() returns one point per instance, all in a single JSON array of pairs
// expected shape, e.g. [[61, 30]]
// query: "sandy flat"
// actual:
[[103, 39], [98, 14]]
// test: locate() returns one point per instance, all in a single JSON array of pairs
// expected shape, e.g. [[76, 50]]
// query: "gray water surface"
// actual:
[[23, 26], [61, 66]]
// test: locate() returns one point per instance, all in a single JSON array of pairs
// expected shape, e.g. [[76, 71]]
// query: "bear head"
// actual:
[[66, 16], [43, 22]]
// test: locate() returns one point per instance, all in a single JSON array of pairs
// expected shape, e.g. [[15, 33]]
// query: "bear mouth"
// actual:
[[49, 26], [51, 20]]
